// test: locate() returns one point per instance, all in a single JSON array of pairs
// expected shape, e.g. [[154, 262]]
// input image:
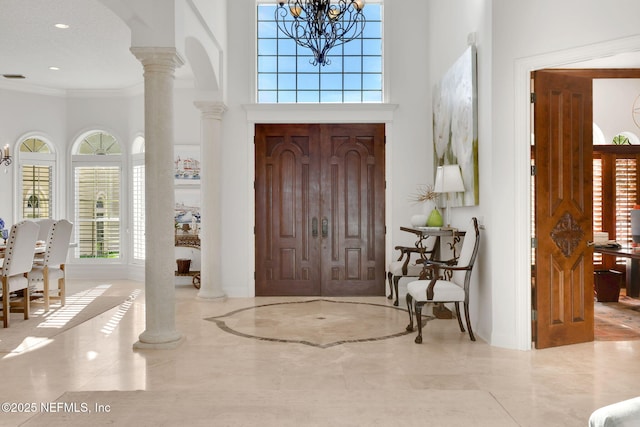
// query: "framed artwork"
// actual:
[[186, 164], [187, 209], [455, 125]]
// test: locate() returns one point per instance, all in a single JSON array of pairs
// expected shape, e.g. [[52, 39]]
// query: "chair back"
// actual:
[[58, 243], [18, 255], [467, 255], [45, 225]]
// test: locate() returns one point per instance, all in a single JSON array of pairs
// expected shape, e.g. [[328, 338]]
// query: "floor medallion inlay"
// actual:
[[321, 323]]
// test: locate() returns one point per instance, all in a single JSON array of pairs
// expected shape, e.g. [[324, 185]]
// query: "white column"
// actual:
[[211, 200], [159, 69]]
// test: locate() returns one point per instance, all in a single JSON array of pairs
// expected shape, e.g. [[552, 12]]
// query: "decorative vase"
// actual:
[[435, 219], [419, 220]]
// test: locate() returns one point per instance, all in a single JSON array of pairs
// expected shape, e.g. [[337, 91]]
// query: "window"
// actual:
[[615, 193], [37, 162], [138, 200], [286, 75], [97, 174]]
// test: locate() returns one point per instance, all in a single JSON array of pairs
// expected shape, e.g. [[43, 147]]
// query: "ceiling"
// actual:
[[93, 53]]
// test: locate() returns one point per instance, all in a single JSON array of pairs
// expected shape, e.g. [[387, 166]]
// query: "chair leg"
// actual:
[[459, 316], [61, 291], [45, 292], [395, 287], [26, 302], [5, 302], [409, 327], [389, 277], [466, 316], [418, 308]]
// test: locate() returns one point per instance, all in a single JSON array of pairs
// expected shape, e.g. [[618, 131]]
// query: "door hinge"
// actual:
[[534, 242], [534, 315], [534, 170], [533, 97]]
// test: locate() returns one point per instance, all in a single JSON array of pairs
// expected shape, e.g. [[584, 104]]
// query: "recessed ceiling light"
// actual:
[[61, 26], [54, 68]]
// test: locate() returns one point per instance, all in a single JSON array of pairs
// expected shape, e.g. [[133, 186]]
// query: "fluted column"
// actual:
[[159, 69], [211, 204]]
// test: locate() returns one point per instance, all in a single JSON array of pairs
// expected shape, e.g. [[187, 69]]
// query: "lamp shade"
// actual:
[[448, 179]]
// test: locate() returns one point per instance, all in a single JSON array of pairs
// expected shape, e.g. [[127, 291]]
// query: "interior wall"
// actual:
[[613, 103], [453, 26]]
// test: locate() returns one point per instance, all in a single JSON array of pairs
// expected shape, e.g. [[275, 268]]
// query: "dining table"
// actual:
[[40, 248]]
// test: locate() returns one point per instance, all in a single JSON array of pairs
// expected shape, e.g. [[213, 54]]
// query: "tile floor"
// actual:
[[225, 377]]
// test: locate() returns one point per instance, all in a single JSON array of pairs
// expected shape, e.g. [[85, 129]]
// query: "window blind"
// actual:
[[36, 191], [97, 211], [626, 182]]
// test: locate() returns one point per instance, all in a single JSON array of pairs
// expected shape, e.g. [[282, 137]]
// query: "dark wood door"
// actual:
[[563, 292], [320, 209]]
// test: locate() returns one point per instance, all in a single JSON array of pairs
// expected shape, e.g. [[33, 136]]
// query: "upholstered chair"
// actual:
[[450, 283], [407, 264], [18, 259], [48, 277]]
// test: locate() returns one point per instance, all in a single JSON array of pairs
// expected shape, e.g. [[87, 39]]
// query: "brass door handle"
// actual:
[[314, 227], [325, 227]]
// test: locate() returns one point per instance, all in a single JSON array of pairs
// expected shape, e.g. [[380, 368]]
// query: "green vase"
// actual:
[[435, 219]]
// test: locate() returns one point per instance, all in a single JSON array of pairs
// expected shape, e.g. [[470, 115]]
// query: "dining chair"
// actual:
[[18, 260], [446, 288], [407, 264], [49, 276], [45, 225]]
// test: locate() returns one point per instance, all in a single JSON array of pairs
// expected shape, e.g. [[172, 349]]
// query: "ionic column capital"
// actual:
[[211, 109], [158, 58]]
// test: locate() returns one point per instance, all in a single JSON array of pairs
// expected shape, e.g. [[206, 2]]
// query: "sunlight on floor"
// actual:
[[112, 324], [74, 305]]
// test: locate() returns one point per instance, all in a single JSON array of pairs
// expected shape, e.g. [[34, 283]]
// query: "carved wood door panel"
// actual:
[[563, 297], [320, 209]]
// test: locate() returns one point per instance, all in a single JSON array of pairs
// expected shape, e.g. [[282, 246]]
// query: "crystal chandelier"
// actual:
[[321, 24]]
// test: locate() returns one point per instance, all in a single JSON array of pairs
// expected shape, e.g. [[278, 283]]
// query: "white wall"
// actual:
[[613, 101]]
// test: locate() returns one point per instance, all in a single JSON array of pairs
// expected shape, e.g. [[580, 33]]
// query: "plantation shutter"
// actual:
[[97, 204], [615, 193], [36, 191], [626, 196], [597, 203]]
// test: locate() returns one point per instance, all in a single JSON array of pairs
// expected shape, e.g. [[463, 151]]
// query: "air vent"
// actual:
[[13, 76]]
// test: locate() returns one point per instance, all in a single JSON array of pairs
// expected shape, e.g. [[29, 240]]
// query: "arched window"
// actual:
[[36, 180], [97, 176], [138, 211]]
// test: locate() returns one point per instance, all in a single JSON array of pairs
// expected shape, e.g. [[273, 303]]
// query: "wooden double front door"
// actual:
[[319, 209]]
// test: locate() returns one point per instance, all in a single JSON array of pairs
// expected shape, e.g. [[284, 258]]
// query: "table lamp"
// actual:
[[448, 180]]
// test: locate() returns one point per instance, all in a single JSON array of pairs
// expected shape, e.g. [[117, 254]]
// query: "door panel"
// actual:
[[320, 190], [288, 170], [353, 257], [563, 296]]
